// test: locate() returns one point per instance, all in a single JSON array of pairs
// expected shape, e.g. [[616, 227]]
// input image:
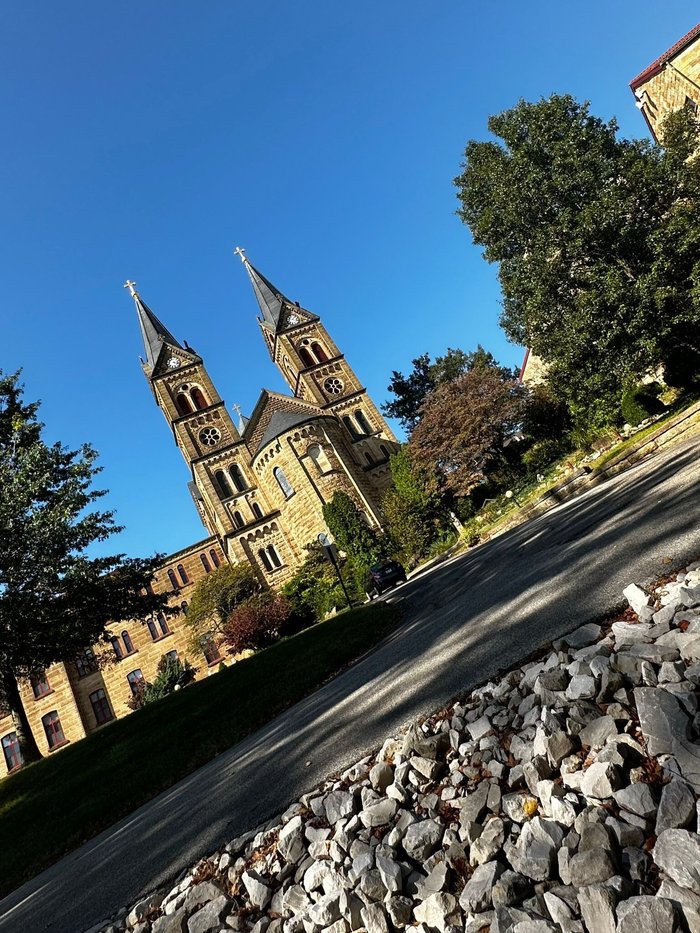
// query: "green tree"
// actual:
[[352, 534], [411, 391], [54, 600], [216, 596], [315, 590], [464, 425], [172, 675], [597, 240], [411, 506]]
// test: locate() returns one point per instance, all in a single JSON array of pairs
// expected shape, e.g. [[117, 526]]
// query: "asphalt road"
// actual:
[[464, 621]]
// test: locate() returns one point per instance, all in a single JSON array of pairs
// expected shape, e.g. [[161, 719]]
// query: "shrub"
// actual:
[[640, 402], [172, 675], [256, 623], [543, 454]]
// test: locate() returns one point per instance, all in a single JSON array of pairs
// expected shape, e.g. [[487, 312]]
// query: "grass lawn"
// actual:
[[58, 803]]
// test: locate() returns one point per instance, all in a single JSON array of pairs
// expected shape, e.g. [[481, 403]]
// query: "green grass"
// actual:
[[58, 803]]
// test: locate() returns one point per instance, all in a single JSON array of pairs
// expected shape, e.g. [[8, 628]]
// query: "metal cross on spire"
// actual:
[[132, 287], [239, 251], [237, 409]]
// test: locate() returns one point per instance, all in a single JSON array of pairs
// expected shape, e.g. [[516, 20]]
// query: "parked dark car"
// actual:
[[382, 576]]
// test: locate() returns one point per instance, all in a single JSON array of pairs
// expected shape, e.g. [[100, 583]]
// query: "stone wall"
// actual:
[[70, 693]]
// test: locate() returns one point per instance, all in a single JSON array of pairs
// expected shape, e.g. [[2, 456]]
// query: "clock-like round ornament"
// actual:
[[173, 362], [209, 437], [293, 319]]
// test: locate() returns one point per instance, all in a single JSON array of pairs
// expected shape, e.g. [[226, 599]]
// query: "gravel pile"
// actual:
[[562, 797]]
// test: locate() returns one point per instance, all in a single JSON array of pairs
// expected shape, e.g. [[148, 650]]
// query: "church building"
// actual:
[[259, 484]]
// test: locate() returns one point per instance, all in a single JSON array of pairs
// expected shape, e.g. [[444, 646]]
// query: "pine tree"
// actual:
[[55, 600]]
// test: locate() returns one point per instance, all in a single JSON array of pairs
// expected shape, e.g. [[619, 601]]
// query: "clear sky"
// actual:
[[146, 140]]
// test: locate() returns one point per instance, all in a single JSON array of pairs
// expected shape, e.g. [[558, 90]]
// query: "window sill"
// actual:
[[161, 637], [55, 748], [100, 725], [128, 654], [42, 696], [215, 661]]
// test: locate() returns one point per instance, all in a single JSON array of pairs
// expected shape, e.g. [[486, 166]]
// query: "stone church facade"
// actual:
[[259, 484]]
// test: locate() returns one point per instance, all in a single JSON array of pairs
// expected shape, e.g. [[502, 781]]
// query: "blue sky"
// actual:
[[147, 140]]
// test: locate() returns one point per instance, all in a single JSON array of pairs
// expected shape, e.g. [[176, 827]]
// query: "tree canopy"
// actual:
[[217, 594], [597, 240], [464, 424], [410, 391], [55, 600]]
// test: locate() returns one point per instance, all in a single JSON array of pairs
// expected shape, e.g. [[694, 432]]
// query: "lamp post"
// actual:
[[331, 556]]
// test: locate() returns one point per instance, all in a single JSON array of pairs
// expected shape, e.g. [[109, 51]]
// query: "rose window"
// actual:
[[210, 437], [333, 386]]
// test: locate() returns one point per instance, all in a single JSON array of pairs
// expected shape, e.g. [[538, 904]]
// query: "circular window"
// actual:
[[210, 437], [333, 386]]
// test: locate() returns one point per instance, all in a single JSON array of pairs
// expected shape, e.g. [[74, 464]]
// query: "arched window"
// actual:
[[263, 555], [369, 458], [319, 352], [224, 486], [205, 563], [237, 477], [362, 421], [284, 483], [275, 559], [162, 623], [40, 685], [198, 398], [118, 650], [173, 580], [12, 751], [257, 511], [101, 707], [384, 450], [306, 357], [128, 643], [318, 455], [136, 679], [151, 625], [185, 608], [214, 558], [183, 574], [53, 729], [350, 425], [210, 649], [238, 520], [183, 404]]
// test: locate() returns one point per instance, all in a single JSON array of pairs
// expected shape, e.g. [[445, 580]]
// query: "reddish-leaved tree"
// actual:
[[464, 424], [256, 623]]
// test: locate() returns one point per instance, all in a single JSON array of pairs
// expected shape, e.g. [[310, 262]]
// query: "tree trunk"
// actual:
[[25, 737]]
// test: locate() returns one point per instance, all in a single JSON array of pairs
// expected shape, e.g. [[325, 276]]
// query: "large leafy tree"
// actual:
[[217, 595], [410, 391], [352, 534], [55, 600], [464, 424], [597, 240], [412, 506]]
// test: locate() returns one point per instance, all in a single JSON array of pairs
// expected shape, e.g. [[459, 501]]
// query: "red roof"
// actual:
[[656, 66]]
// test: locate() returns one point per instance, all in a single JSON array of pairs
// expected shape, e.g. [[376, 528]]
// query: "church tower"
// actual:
[[222, 486], [317, 372]]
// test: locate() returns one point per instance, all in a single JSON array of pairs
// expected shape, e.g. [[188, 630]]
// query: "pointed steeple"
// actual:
[[153, 331], [271, 301]]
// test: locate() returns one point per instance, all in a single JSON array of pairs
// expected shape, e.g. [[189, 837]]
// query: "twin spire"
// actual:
[[270, 300]]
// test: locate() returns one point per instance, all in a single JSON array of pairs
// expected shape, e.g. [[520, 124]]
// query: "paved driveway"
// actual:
[[464, 621]]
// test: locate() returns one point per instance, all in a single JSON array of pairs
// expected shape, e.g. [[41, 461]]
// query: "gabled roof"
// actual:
[[291, 411], [657, 65]]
